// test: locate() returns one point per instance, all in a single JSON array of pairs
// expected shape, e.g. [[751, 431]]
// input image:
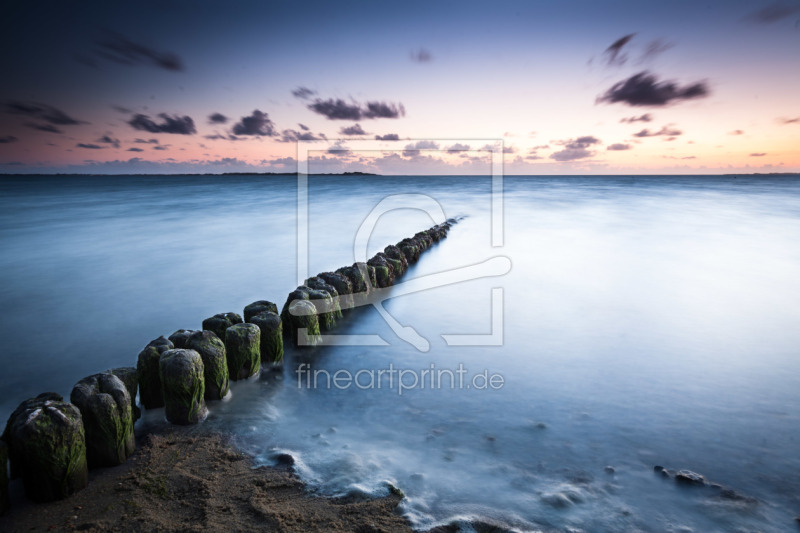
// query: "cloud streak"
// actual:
[[174, 124], [644, 89], [338, 109], [123, 51], [614, 55]]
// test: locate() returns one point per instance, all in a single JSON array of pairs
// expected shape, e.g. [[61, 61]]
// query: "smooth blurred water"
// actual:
[[647, 321]]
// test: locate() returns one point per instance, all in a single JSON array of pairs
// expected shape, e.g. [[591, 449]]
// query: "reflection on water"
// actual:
[[647, 321]]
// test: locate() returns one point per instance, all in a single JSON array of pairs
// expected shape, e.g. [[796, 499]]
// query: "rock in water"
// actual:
[[105, 406], [130, 377], [184, 386], [243, 344], [302, 314], [47, 447], [220, 322], [180, 337], [149, 377], [259, 307], [271, 336], [689, 478], [215, 363], [342, 285], [3, 478]]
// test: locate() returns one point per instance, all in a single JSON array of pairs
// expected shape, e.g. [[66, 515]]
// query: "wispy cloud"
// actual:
[[217, 118], [773, 12], [44, 112], [338, 109], [120, 50], [175, 124], [89, 146], [355, 129], [106, 139], [421, 55], [8, 139], [613, 54], [736, 132], [666, 131], [387, 137], [644, 89], [576, 148], [647, 117], [758, 154], [618, 147], [304, 93]]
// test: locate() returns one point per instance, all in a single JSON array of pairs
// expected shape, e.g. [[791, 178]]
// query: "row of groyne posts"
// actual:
[[51, 443]]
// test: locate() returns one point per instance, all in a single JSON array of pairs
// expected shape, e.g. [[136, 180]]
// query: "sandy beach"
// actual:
[[182, 482]]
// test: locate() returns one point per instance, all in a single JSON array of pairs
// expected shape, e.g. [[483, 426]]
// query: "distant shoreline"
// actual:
[[336, 174]]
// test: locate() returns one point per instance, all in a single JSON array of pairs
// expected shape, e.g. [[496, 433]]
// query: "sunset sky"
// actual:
[[571, 87]]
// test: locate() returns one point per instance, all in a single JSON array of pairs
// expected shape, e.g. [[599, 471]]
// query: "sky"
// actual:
[[569, 87]]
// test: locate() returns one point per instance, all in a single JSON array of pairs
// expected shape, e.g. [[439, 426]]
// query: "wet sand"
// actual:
[[184, 482]]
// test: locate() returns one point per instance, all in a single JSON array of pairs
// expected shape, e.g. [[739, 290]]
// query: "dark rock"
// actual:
[[688, 477], [4, 505], [215, 363], [179, 338], [105, 406], [220, 322], [343, 287], [130, 377], [150, 393], [243, 346], [183, 383], [47, 447], [302, 314], [658, 468], [284, 459], [259, 307], [609, 470], [318, 283], [271, 336]]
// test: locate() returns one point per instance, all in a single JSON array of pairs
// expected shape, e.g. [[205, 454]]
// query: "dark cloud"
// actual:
[[644, 89], [736, 132], [509, 150], [8, 139], [294, 136], [304, 93], [758, 154], [338, 109], [162, 147], [773, 12], [106, 139], [217, 118], [421, 55], [89, 146], [121, 109], [171, 124], [339, 149], [122, 51], [613, 54], [387, 137], [43, 112], [618, 147], [258, 123], [219, 137], [135, 150], [576, 148], [146, 141], [355, 129], [666, 131], [303, 127], [413, 149], [795, 120], [49, 128], [647, 117], [458, 147]]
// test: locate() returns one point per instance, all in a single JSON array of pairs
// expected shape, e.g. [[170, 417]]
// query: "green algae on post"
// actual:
[[130, 377], [105, 406], [302, 314], [259, 307], [271, 336], [215, 363], [183, 383], [243, 346], [220, 322], [148, 371], [47, 447]]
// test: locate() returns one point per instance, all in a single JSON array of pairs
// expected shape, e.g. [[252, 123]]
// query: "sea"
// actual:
[[529, 373]]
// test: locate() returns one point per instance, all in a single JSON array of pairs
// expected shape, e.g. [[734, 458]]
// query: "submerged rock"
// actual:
[[179, 338], [259, 307], [47, 447], [105, 406], [215, 363], [220, 322], [343, 286], [147, 369], [243, 345], [302, 314], [3, 478], [130, 377], [688, 477], [271, 336], [183, 383]]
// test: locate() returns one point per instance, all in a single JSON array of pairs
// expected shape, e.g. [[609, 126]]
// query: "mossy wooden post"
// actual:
[[130, 377], [302, 315], [395, 253], [215, 363], [105, 407], [3, 478], [47, 447], [271, 336], [183, 384], [326, 314], [243, 345], [384, 270], [179, 338], [258, 307], [318, 283], [342, 285], [220, 322], [148, 371]]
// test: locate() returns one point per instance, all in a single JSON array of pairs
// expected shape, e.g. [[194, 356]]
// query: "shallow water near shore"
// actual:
[[646, 321]]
